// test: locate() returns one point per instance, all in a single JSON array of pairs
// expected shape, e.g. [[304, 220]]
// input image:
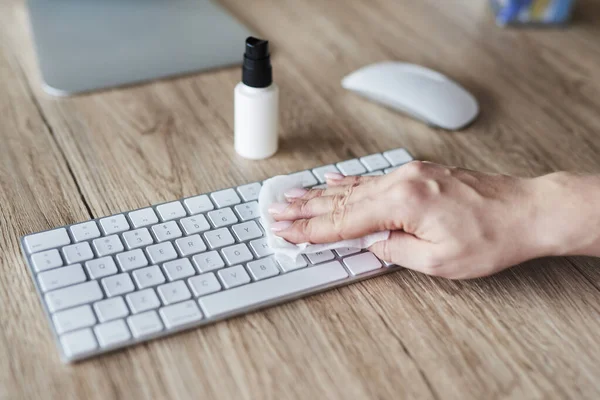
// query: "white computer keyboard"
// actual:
[[115, 281]]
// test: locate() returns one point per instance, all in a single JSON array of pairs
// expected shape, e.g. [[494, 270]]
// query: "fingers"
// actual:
[[335, 187], [348, 222], [407, 251], [335, 179]]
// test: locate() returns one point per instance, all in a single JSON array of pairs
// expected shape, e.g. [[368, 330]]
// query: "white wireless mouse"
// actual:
[[418, 91]]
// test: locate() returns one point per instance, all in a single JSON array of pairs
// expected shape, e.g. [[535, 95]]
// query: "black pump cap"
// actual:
[[257, 71]]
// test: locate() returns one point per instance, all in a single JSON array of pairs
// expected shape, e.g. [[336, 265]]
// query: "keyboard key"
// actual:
[[262, 269], [208, 261], [320, 256], [144, 324], [190, 245], [132, 259], [237, 254], [143, 300], [117, 284], [78, 342], [138, 238], [167, 231], [174, 292], [270, 289], [351, 167], [195, 224], [161, 252], [171, 211], [198, 204], [250, 191], [308, 179], [398, 156], [346, 251], [180, 314], [113, 332], [375, 162], [112, 308], [77, 252], [225, 198], [246, 231], [46, 240], [233, 276], [247, 211], [61, 277], [85, 231], [75, 318], [73, 296], [46, 260], [361, 263], [288, 264], [387, 171], [261, 248], [320, 172], [149, 276], [108, 245], [204, 284], [375, 173], [222, 217], [218, 238], [114, 224], [143, 217], [178, 269], [101, 267]]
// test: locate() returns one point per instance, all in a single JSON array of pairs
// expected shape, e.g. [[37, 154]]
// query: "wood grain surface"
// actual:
[[529, 332]]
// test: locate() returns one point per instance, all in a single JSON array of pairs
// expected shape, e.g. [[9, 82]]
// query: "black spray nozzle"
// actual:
[[256, 71], [256, 48]]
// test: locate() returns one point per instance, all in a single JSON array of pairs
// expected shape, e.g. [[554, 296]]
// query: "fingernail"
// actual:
[[281, 226], [277, 208], [333, 176], [295, 193]]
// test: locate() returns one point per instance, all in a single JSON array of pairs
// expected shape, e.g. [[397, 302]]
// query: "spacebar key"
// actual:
[[271, 289]]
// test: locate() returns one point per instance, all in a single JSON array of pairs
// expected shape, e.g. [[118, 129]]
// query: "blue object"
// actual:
[[537, 12]]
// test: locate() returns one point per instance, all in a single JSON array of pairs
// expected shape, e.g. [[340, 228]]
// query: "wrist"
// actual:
[[567, 215]]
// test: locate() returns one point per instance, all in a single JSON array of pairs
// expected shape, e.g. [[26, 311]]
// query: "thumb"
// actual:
[[406, 250]]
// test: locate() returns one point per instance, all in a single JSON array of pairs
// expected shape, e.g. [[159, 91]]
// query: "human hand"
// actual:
[[445, 221]]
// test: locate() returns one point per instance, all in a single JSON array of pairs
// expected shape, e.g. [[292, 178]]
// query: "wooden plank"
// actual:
[[528, 332]]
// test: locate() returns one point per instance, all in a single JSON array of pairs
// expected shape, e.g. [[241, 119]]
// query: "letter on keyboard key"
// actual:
[[77, 252], [174, 292], [46, 260], [246, 231], [204, 284], [73, 296], [237, 254], [144, 324], [75, 318], [262, 269], [180, 314], [143, 300], [261, 248], [143, 217], [250, 191], [288, 265], [190, 245], [61, 277], [132, 259], [114, 224], [234, 276], [208, 261], [161, 252], [218, 238], [108, 245], [112, 332], [351, 167], [47, 240], [260, 292], [85, 231], [117, 284], [320, 256], [101, 267], [171, 211], [178, 269], [78, 342], [112, 308], [198, 204], [150, 276], [224, 198], [361, 263]]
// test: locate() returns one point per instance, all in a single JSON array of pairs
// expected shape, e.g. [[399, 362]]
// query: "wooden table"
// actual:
[[530, 332]]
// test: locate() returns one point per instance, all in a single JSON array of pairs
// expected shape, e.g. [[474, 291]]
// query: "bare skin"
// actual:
[[450, 222]]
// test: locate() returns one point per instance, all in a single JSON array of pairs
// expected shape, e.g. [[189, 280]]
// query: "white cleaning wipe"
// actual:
[[273, 191]]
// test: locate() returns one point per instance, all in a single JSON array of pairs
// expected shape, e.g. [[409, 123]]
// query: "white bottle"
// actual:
[[256, 104]]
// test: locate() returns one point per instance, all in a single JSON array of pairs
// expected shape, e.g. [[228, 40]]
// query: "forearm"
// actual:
[[568, 214]]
